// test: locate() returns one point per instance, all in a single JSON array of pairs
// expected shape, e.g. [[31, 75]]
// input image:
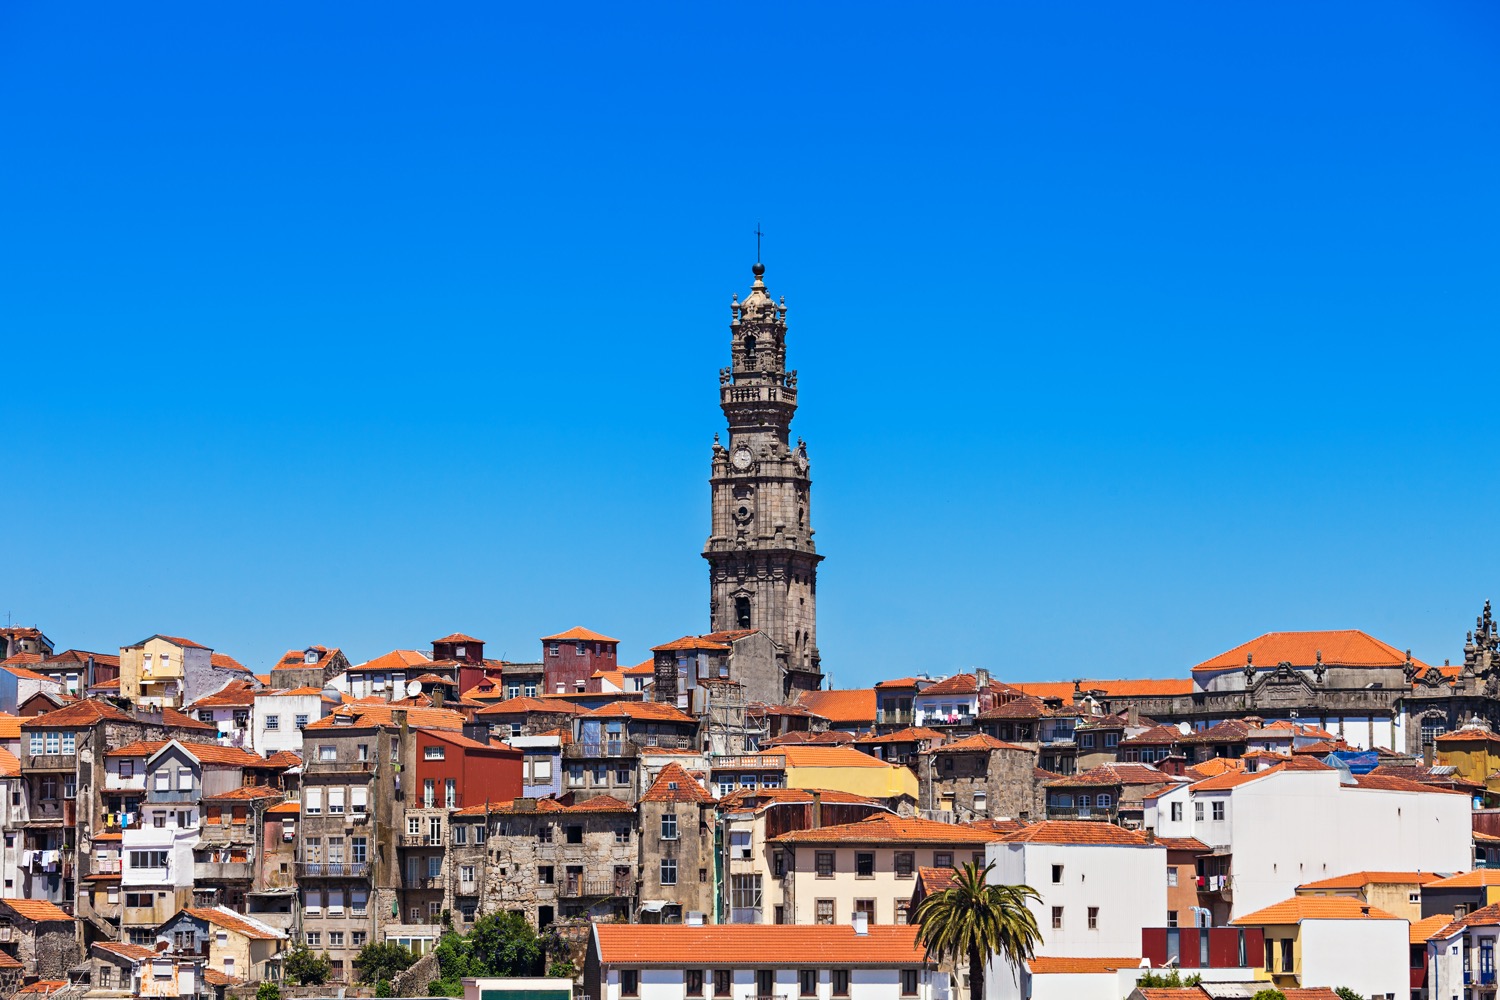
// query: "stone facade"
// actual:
[[762, 562], [677, 820], [982, 778]]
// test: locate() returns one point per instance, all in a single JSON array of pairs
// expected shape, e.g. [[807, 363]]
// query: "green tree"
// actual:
[[383, 988], [1170, 980], [305, 968], [499, 944], [1345, 993], [382, 960], [268, 991], [972, 920], [1269, 994], [562, 968]]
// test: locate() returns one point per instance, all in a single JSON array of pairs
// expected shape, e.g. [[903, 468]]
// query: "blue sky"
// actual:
[[1125, 333]]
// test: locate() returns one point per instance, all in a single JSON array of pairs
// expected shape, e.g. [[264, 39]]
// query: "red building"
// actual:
[[570, 658], [456, 771], [465, 655]]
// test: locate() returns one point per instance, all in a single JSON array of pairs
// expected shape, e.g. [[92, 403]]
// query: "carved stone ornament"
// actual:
[[1410, 668], [1318, 669], [1249, 668]]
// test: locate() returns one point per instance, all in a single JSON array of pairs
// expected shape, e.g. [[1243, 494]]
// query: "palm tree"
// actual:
[[973, 919]]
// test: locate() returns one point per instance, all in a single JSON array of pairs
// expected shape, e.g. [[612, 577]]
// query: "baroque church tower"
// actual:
[[762, 563]]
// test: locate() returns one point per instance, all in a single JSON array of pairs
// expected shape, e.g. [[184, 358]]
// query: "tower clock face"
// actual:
[[742, 458]]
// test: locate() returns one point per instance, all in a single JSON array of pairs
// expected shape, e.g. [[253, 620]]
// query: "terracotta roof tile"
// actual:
[[1488, 916], [1358, 880], [10, 726], [964, 684], [1183, 844], [1113, 774], [978, 743], [214, 977], [524, 705], [134, 952], [691, 642], [246, 793], [578, 634], [1025, 707], [78, 715], [175, 640], [1428, 926], [674, 784], [1468, 880], [934, 880], [284, 759], [823, 756], [231, 921], [10, 764], [846, 706], [653, 710], [457, 637], [1299, 908], [887, 829], [362, 715], [761, 798], [235, 694], [395, 660], [43, 986], [911, 734], [1340, 648], [1391, 783], [37, 909], [899, 682], [601, 803], [830, 737], [1065, 831], [226, 662], [772, 945], [283, 809]]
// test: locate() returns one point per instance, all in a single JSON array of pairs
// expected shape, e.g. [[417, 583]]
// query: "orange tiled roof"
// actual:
[[578, 634], [78, 715], [1487, 916], [1428, 926], [1114, 774], [829, 737], [1028, 706], [1182, 844], [1358, 880], [647, 667], [175, 640], [231, 921], [1125, 688], [381, 715], [1066, 831], [772, 945], [284, 759], [1216, 766], [674, 784], [935, 879], [964, 684], [1394, 783], [888, 829], [23, 673], [43, 986], [226, 662], [602, 803], [20, 658], [691, 642], [235, 694], [396, 659], [823, 756], [847, 706], [458, 637], [900, 682], [6, 962], [214, 977], [764, 797], [523, 705], [10, 726], [1299, 908], [10, 764], [37, 910], [1475, 879], [1468, 734], [911, 734], [977, 743], [247, 793], [1340, 648], [134, 952], [653, 710], [280, 809], [296, 659], [1043, 965]]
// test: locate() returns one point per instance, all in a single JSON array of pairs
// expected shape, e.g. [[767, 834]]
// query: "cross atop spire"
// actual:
[[758, 235]]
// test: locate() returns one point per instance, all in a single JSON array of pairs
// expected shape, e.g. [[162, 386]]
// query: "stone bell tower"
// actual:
[[762, 564]]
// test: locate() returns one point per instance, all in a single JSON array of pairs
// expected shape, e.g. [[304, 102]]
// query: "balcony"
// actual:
[[52, 762], [223, 871], [894, 717], [333, 869], [420, 840], [578, 888], [226, 833], [749, 762], [425, 882], [338, 766], [603, 748], [172, 795], [110, 867]]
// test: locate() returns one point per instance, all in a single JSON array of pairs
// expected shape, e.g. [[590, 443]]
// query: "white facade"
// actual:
[[279, 718], [1338, 829], [1371, 957], [1445, 960], [864, 984], [1071, 986]]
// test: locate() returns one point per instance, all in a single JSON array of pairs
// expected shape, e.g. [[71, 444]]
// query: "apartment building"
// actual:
[[676, 819], [1309, 941], [828, 874], [744, 962]]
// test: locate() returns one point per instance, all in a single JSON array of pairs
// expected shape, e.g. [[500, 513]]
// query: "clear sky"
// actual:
[[1126, 332]]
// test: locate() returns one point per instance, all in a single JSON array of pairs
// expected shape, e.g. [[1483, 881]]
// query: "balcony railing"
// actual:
[[52, 762], [894, 717], [602, 748], [334, 869], [107, 867], [749, 762], [576, 888], [339, 766], [172, 795], [223, 871]]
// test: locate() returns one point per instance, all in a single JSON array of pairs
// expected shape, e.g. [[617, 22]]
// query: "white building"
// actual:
[[278, 718], [1377, 823], [1100, 884], [756, 962], [1461, 954], [1334, 941], [1082, 978]]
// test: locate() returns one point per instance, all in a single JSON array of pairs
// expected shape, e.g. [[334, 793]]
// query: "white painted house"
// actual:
[[758, 961], [278, 718], [1374, 823], [1100, 885]]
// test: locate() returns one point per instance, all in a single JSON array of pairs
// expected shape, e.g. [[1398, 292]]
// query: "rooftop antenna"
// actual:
[[758, 235]]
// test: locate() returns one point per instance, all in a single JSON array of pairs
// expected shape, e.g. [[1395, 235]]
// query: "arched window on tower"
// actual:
[[749, 350], [742, 612]]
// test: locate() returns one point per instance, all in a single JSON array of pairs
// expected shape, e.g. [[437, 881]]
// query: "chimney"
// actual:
[[817, 809], [981, 678], [1364, 911], [1133, 715], [1150, 835], [861, 923], [1427, 752], [89, 674], [437, 696]]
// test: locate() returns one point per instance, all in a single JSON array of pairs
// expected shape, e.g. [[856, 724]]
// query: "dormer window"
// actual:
[[458, 652], [311, 656]]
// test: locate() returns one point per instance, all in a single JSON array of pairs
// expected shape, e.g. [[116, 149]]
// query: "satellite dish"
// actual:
[[413, 688], [333, 694]]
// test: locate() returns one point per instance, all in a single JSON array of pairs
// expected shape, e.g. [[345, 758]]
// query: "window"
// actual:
[[127, 768], [630, 982], [867, 907], [327, 754], [864, 864], [54, 743], [434, 829], [314, 939], [273, 723], [824, 911], [148, 859], [1057, 874], [460, 833], [357, 939], [574, 834], [1093, 918], [668, 871], [668, 826], [765, 982], [807, 982], [358, 902], [312, 801], [69, 742], [429, 793], [902, 906], [434, 865], [312, 900], [823, 861], [359, 850], [1171, 876], [622, 834], [185, 819], [1286, 954], [359, 798], [981, 802], [1171, 918], [434, 753], [544, 874], [694, 978], [1198, 812], [301, 722], [450, 793], [544, 834], [744, 892], [908, 982], [1219, 810], [1086, 741], [335, 801], [335, 938], [159, 820], [1057, 918], [942, 859], [1111, 740], [1104, 800], [466, 873], [413, 826], [840, 979], [1176, 812], [722, 980]]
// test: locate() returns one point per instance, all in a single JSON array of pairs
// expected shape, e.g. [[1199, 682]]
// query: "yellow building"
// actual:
[[844, 769], [1395, 892], [1474, 752], [1308, 941]]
